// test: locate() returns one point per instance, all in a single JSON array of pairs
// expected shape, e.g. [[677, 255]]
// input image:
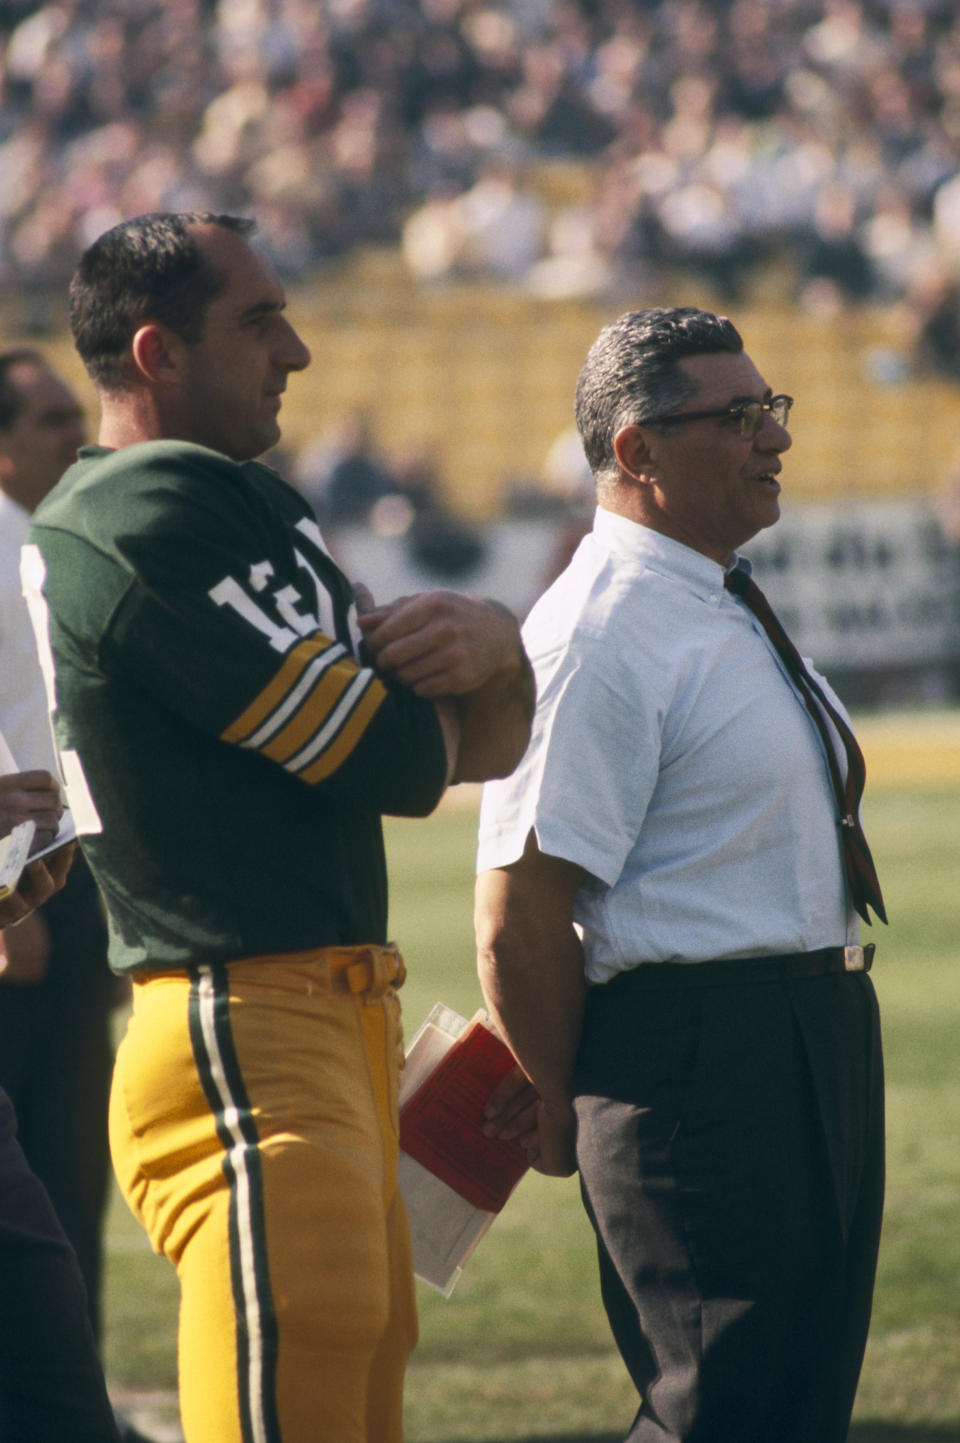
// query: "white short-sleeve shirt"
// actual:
[[23, 700], [673, 760]]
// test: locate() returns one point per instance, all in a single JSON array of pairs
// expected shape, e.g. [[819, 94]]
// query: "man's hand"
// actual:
[[38, 881], [363, 598], [511, 1110], [555, 1151], [514, 1110], [440, 643], [31, 797], [530, 961], [25, 951], [466, 657]]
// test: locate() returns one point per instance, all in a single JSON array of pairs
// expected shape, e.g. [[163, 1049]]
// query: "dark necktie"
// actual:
[[858, 863]]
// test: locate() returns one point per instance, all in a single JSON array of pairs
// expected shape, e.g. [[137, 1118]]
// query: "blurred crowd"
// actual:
[[718, 135], [349, 478]]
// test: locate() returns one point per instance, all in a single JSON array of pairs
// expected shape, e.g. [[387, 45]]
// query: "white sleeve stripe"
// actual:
[[337, 720], [295, 697], [251, 1302]]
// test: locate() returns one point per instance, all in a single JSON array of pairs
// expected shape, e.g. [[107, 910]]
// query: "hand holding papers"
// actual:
[[14, 851], [453, 1177], [32, 819]]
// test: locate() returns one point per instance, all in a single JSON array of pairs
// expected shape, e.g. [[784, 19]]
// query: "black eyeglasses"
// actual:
[[748, 414]]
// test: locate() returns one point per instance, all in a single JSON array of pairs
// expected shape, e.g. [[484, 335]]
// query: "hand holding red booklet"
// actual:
[[454, 1179], [442, 1123]]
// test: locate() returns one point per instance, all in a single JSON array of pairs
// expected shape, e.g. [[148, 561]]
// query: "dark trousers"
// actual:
[[51, 1386], [731, 1159], [55, 1064]]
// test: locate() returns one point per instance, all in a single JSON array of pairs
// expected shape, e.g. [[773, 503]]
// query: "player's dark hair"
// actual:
[[631, 376], [11, 398], [146, 269]]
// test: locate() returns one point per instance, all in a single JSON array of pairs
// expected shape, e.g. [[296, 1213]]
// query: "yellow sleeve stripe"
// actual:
[[343, 743], [281, 685], [339, 719], [313, 711], [319, 705]]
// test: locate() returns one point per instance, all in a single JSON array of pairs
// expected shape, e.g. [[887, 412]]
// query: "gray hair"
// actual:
[[631, 376]]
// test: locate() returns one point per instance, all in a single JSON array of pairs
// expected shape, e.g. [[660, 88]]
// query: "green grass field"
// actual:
[[521, 1350]]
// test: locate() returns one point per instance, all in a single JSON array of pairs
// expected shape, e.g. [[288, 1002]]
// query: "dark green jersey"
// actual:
[[212, 698]]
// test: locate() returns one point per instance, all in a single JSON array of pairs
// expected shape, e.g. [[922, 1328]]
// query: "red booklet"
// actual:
[[441, 1125]]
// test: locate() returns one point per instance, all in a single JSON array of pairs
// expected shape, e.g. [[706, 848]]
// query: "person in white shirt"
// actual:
[[41, 427], [667, 930], [56, 991]]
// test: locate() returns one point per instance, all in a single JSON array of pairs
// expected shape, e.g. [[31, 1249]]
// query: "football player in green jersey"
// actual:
[[231, 733]]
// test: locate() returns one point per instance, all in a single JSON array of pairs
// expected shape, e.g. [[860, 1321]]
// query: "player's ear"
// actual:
[[157, 353], [631, 446]]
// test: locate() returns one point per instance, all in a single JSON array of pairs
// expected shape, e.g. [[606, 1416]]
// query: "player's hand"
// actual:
[[440, 643], [363, 599], [511, 1109], [31, 797]]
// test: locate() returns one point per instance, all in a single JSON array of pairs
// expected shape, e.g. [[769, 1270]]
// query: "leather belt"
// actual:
[[784, 967], [365, 971], [362, 969]]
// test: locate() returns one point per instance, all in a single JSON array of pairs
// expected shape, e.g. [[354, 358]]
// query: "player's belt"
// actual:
[[370, 970], [367, 970], [784, 967]]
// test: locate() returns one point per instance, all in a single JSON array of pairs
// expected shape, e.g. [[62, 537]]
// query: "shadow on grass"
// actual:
[[859, 1433]]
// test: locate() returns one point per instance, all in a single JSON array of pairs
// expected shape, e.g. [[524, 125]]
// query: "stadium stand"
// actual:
[[456, 189], [719, 135]]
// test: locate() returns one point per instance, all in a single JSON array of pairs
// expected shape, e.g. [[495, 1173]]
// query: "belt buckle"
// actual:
[[381, 975], [858, 959], [372, 973]]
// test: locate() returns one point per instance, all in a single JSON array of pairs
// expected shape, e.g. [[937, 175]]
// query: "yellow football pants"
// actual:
[[253, 1126]]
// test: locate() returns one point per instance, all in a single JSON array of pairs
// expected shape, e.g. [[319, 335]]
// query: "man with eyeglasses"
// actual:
[[667, 914]]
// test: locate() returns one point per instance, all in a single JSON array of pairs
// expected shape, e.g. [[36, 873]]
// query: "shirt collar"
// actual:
[[660, 553]]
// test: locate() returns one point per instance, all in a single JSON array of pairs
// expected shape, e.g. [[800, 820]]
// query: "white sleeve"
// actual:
[[586, 779]]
